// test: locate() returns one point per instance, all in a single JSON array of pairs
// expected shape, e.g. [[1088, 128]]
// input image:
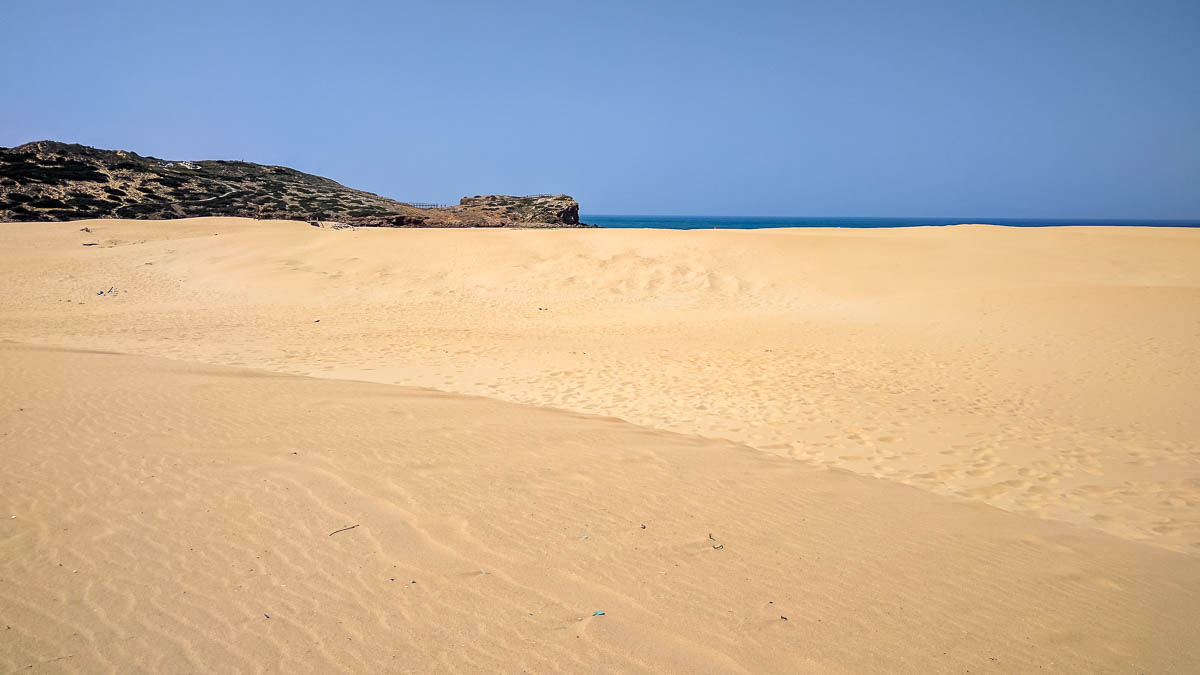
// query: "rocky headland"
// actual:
[[52, 181]]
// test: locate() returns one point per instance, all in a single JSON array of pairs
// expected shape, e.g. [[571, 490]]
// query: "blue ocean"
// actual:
[[756, 222]]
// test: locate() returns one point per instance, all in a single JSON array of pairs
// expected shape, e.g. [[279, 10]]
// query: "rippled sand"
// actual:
[[1047, 372]]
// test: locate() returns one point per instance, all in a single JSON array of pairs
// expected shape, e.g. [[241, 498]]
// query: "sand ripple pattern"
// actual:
[[1047, 371], [173, 517]]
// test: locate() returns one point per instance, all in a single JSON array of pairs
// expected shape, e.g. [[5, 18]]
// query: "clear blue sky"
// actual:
[[1046, 108]]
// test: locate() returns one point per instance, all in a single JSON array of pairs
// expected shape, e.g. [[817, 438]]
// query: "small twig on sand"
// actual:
[[342, 530]]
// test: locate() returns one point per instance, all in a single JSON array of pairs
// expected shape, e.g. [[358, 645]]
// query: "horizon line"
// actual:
[[979, 220]]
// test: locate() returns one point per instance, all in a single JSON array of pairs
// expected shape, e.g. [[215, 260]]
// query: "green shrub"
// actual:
[[167, 181], [54, 174]]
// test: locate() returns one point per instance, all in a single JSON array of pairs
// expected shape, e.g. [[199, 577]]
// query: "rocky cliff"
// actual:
[[48, 181], [536, 209]]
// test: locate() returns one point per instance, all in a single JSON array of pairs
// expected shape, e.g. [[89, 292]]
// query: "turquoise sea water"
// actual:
[[755, 222]]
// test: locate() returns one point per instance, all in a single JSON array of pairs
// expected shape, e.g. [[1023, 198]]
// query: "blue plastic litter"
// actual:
[[597, 613]]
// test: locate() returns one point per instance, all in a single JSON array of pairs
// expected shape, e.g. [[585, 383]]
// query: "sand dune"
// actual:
[[816, 376], [1046, 371], [174, 517]]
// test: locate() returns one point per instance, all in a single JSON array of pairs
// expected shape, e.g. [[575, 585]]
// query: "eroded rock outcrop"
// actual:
[[559, 210]]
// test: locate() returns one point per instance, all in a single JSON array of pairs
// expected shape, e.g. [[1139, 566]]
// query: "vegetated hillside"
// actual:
[[51, 181]]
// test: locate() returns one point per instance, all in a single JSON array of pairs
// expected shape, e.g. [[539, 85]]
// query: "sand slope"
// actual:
[[164, 509], [1045, 371], [841, 410]]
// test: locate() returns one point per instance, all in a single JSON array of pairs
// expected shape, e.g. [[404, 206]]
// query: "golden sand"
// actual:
[[840, 410]]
